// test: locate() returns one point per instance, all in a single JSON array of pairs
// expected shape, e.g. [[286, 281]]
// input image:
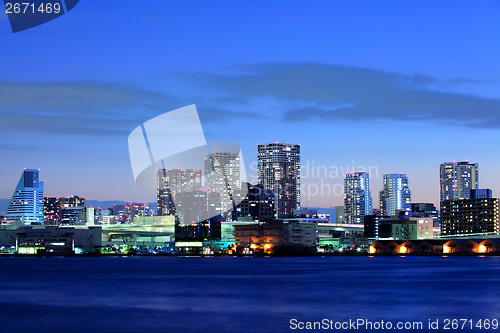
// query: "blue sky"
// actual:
[[395, 86]]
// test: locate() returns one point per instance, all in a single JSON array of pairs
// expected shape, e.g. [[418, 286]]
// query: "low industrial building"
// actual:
[[414, 228], [436, 246], [50, 240], [399, 228], [270, 237]]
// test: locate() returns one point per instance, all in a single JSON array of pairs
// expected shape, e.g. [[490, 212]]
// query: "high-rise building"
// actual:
[[52, 207], [469, 216], [120, 213], [279, 171], [171, 182], [50, 210], [256, 205], [26, 205], [222, 175], [133, 210], [457, 179], [198, 212], [357, 197], [396, 195]]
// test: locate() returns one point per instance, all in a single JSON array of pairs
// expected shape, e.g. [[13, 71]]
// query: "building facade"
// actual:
[[279, 171], [426, 209], [256, 205], [37, 239], [339, 214], [469, 216], [412, 229], [457, 179], [269, 236], [396, 195], [133, 210], [357, 197]]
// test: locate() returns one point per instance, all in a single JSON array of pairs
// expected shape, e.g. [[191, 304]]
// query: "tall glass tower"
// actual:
[[457, 179], [357, 197], [279, 170], [26, 205], [171, 182], [396, 194], [222, 175]]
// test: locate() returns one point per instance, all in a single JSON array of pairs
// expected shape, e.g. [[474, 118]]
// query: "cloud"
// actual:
[[214, 114], [83, 108], [290, 92], [323, 93]]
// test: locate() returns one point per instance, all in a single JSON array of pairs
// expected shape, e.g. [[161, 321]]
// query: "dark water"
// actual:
[[241, 294]]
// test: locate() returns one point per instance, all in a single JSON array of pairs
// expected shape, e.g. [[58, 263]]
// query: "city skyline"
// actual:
[[394, 186], [192, 166], [365, 87]]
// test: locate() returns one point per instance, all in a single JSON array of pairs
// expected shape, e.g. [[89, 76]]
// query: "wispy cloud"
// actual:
[[294, 92], [322, 93], [77, 107]]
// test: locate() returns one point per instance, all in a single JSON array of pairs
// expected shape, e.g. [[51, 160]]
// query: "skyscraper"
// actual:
[[222, 175], [279, 171], [357, 197], [457, 179], [171, 182], [26, 205], [395, 195]]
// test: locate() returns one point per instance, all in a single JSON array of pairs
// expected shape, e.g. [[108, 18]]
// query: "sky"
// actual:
[[387, 87]]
